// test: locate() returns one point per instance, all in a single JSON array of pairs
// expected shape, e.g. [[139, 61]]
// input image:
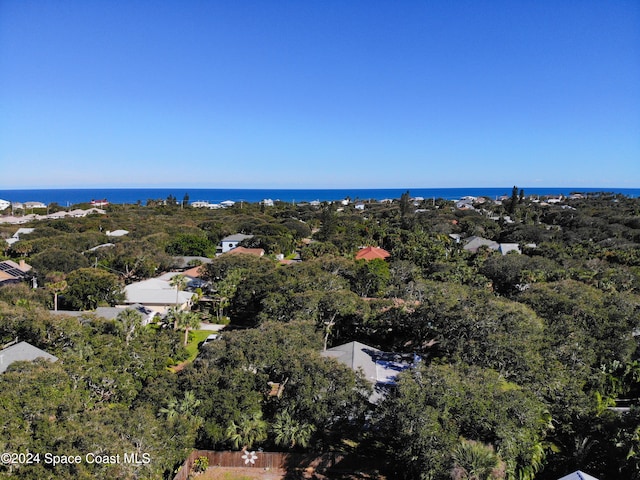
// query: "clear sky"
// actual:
[[319, 94]]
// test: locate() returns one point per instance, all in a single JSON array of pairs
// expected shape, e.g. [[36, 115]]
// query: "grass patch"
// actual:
[[195, 338]]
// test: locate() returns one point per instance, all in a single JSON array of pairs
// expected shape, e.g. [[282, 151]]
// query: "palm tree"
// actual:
[[250, 429], [57, 284], [130, 319], [188, 321], [290, 432], [476, 461], [185, 409], [179, 282]]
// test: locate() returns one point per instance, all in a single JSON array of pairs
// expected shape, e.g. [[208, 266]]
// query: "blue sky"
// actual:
[[319, 94]]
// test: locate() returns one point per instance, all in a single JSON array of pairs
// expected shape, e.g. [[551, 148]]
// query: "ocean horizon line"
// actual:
[[131, 195]]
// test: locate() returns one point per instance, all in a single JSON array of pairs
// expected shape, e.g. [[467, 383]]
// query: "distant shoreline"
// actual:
[[66, 197]]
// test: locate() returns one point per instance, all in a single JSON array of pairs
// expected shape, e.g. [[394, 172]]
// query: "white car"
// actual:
[[210, 338]]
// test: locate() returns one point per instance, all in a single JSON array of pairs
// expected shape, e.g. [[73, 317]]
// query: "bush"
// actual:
[[200, 464]]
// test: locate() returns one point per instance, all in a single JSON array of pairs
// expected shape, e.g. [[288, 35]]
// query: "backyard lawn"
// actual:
[[195, 338]]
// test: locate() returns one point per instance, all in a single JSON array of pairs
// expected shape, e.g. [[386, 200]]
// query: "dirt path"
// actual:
[[244, 473]]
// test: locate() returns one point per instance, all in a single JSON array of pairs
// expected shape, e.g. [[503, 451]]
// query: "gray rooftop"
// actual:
[[237, 237], [474, 243], [183, 261], [20, 352], [111, 313], [380, 368]]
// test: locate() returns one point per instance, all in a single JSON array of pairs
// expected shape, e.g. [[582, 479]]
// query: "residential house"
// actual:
[[231, 242], [22, 352], [16, 236], [474, 243], [505, 248], [157, 294], [257, 252], [32, 205], [12, 272], [466, 203], [4, 204], [111, 313], [372, 253], [52, 216], [193, 275], [378, 367], [205, 204], [188, 262]]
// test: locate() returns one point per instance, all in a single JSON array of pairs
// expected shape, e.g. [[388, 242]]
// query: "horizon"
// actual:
[[286, 95], [467, 187], [118, 196]]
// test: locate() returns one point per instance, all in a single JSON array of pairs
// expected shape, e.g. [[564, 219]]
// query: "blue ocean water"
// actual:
[[66, 197]]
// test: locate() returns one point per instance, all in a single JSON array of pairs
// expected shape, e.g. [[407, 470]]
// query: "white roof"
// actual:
[[509, 247], [117, 233], [23, 231], [155, 291]]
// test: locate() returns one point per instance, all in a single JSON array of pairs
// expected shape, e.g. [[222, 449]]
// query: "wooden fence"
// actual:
[[261, 460]]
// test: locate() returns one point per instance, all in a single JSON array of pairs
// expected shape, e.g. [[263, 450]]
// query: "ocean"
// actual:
[[67, 197]]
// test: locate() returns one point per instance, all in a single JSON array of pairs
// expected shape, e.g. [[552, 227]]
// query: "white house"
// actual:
[[231, 242], [205, 204], [16, 236], [156, 294], [32, 205], [505, 248], [4, 204]]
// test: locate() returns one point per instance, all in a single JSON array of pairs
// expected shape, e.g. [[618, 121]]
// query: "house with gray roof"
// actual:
[[187, 262], [156, 294], [22, 352], [111, 313], [231, 242], [378, 367], [472, 244]]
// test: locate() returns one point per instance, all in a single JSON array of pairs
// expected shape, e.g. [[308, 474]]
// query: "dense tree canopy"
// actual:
[[522, 356]]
